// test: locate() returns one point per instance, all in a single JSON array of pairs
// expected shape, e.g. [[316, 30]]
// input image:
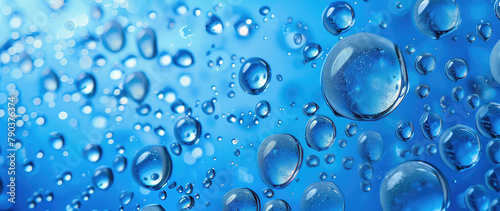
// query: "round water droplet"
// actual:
[[370, 146], [471, 37], [86, 84], [264, 10], [365, 186], [351, 129], [276, 205], [126, 197], [254, 76], [208, 107], [242, 199], [422, 91], [185, 203], [311, 52], [488, 120], [492, 178], [460, 147], [49, 80], [348, 163], [477, 198], [152, 167], [425, 63], [364, 77], [329, 158], [310, 109], [312, 161], [410, 49], [436, 18], [146, 42], [92, 152], [404, 130], [414, 185], [320, 133], [431, 125], [456, 69], [279, 159], [473, 101], [322, 196], [183, 58], [432, 149], [263, 109], [56, 140], [338, 17], [102, 178], [457, 93], [493, 150], [136, 86], [483, 30], [120, 163], [214, 25], [113, 37], [187, 130]]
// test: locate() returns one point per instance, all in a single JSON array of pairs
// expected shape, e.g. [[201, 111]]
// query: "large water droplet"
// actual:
[[136, 86], [187, 130], [488, 120], [103, 178], [370, 146], [460, 147], [214, 25], [493, 150], [492, 178], [436, 18], [146, 42], [414, 185], [152, 167], [338, 17], [86, 84], [276, 205], [477, 198], [279, 159], [320, 133], [431, 125], [113, 37], [364, 77], [322, 196], [241, 199], [254, 76]]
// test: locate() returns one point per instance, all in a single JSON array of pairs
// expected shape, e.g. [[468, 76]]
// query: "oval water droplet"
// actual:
[[183, 58], [364, 77], [477, 197], [254, 76], [120, 163], [425, 63], [214, 25], [457, 93], [338, 17], [488, 120], [320, 133], [492, 178], [113, 37], [102, 178], [322, 196], [92, 152], [473, 101], [242, 199], [126, 197], [436, 18], [311, 51], [310, 109], [187, 130], [456, 69], [417, 182], [152, 167], [279, 159], [431, 125], [370, 146], [185, 203], [460, 147], [136, 86], [276, 205], [146, 42], [263, 109], [57, 140], [86, 84], [404, 130], [483, 30], [495, 60], [49, 80]]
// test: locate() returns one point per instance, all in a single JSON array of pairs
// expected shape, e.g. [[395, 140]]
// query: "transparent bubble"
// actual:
[[113, 37], [214, 25], [322, 196], [338, 17], [492, 178], [102, 178], [146, 42], [136, 86], [152, 167], [473, 101], [370, 146], [242, 199], [488, 120], [436, 18], [311, 51], [460, 147], [431, 125], [404, 130], [312, 161], [276, 205], [187, 130], [456, 69], [477, 198], [254, 76], [183, 58], [310, 108], [425, 63], [92, 152], [351, 129], [263, 109], [493, 150], [365, 171], [320, 133]]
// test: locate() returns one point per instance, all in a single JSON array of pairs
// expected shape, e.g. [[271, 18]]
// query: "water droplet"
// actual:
[[176, 148], [322, 196], [312, 161], [470, 37], [352, 83], [488, 120], [208, 107], [422, 91], [276, 205], [365, 171], [329, 158], [152, 167], [185, 203], [370, 146], [483, 30], [320, 133], [263, 109], [86, 84], [102, 178], [456, 69], [460, 147], [126, 197], [311, 51], [348, 163], [457, 93], [152, 207], [431, 125], [119, 163], [425, 63], [338, 17], [404, 130], [146, 42], [187, 130], [214, 25], [268, 192], [183, 58], [310, 109], [254, 76], [410, 49], [436, 18], [279, 159], [477, 198], [417, 182], [495, 59], [240, 199], [264, 10], [92, 152], [473, 101], [56, 140], [432, 149], [136, 86], [492, 178], [113, 37], [50, 81]]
